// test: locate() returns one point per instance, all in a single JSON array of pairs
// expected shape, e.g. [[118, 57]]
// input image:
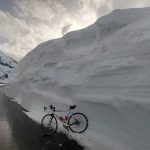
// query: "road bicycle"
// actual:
[[76, 122]]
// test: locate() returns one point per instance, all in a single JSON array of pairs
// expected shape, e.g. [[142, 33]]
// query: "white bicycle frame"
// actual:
[[68, 113]]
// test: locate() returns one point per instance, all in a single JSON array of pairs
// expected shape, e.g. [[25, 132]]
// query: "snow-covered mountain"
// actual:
[[7, 64], [103, 69]]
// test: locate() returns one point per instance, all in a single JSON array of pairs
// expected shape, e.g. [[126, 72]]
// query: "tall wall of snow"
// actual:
[[103, 69]]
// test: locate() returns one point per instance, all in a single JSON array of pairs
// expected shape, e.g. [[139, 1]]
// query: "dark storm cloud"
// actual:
[[26, 23], [6, 5], [9, 6]]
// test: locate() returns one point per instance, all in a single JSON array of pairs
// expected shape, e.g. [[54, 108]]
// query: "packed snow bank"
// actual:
[[103, 69]]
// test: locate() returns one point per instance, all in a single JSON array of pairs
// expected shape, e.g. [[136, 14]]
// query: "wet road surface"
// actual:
[[6, 139], [18, 132]]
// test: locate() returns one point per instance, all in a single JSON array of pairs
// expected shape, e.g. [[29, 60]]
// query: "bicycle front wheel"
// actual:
[[78, 123], [49, 123]]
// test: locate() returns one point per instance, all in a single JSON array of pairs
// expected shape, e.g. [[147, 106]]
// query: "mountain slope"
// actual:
[[103, 69], [7, 64]]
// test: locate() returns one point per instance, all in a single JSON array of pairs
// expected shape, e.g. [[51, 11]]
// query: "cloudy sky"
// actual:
[[26, 23]]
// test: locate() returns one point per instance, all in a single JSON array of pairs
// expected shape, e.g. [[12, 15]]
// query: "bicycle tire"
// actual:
[[48, 128], [72, 124]]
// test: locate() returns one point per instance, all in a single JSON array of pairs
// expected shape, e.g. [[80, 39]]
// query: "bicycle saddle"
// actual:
[[73, 107]]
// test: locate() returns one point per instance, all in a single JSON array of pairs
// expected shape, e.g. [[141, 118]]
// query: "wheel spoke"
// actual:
[[49, 123], [78, 123]]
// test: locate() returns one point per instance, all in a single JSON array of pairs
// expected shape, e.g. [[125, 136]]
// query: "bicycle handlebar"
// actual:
[[53, 108]]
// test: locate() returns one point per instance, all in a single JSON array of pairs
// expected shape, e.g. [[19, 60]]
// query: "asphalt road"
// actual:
[[6, 139], [18, 132]]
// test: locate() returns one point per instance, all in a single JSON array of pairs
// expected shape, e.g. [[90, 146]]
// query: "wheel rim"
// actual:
[[49, 123], [78, 123]]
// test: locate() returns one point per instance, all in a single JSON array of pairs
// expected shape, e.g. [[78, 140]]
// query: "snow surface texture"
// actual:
[[7, 64], [103, 69]]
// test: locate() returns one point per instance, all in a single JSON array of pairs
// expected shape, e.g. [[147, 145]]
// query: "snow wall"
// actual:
[[104, 69]]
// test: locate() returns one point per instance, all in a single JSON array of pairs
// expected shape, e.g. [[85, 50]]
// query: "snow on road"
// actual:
[[103, 69]]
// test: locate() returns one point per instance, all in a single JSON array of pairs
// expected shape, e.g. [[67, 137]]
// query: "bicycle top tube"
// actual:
[[61, 110], [48, 110]]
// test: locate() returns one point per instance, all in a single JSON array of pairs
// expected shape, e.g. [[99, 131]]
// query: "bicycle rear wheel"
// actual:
[[78, 123], [49, 123]]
